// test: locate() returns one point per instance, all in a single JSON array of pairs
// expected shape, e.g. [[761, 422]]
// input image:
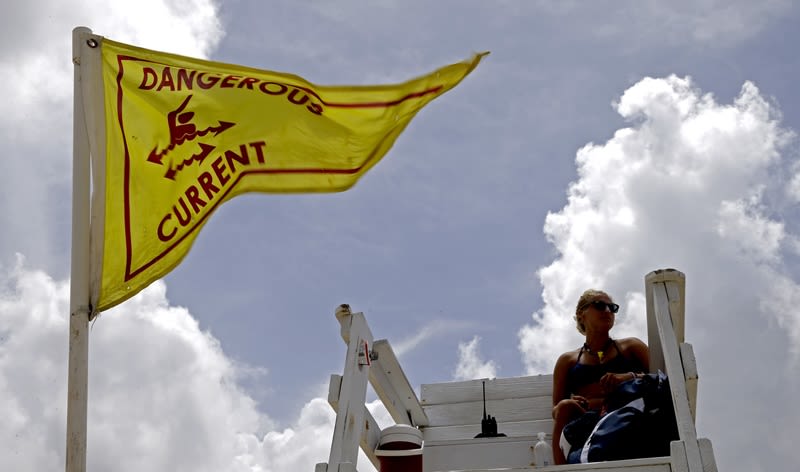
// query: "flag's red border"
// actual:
[[131, 273]]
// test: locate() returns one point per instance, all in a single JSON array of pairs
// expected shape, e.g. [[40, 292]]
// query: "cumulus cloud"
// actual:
[[691, 185], [162, 393], [298, 448], [305, 444], [470, 366]]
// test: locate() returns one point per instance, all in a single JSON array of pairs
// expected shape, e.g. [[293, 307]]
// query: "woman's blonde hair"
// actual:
[[584, 301]]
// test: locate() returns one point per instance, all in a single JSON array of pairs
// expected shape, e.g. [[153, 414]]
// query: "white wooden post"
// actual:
[[664, 292], [88, 139], [80, 312], [353, 394], [675, 283]]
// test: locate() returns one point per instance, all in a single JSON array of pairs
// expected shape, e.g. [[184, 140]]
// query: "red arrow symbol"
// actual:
[[223, 125], [205, 150], [155, 157]]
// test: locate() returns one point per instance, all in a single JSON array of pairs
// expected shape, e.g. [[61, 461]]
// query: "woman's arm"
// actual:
[[564, 408], [635, 348], [560, 378]]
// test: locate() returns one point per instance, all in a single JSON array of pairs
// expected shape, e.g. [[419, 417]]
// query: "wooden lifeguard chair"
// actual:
[[448, 414]]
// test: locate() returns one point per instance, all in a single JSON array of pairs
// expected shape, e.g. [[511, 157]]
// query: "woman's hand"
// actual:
[[582, 402], [570, 407], [610, 381]]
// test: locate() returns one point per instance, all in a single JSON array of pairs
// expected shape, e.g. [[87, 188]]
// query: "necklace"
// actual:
[[600, 353]]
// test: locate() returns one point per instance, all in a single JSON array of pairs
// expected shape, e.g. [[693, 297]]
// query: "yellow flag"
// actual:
[[184, 135]]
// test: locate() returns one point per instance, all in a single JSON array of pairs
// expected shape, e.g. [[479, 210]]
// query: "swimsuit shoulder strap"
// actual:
[[580, 353]]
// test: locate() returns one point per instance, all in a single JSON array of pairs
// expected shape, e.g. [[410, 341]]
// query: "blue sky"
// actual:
[[598, 141]]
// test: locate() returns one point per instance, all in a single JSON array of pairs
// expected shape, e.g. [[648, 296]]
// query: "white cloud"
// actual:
[[432, 329], [742, 224], [693, 179], [470, 366], [162, 393], [793, 189], [305, 444], [296, 448]]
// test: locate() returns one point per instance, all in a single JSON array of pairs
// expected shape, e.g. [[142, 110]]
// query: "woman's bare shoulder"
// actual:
[[568, 358], [637, 348], [631, 342]]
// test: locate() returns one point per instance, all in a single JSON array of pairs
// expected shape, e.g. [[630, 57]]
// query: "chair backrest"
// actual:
[[522, 406]]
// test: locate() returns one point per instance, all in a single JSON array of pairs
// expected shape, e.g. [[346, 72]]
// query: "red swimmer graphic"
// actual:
[[182, 130]]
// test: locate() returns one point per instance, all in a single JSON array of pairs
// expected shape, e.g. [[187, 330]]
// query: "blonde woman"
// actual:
[[584, 377]]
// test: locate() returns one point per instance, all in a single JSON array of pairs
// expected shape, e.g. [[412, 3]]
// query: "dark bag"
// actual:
[[577, 431], [640, 423]]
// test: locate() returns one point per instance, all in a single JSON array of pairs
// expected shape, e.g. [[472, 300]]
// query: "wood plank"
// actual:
[[393, 388], [516, 454], [489, 453], [690, 374], [601, 467], [467, 431], [511, 410], [321, 467], [649, 464], [674, 370], [370, 435], [347, 430], [660, 277], [675, 283], [680, 463], [707, 455], [676, 289], [496, 389]]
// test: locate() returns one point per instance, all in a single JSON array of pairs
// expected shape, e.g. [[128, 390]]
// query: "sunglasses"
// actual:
[[601, 305]]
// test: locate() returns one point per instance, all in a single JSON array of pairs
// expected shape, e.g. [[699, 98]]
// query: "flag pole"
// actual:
[[79, 307]]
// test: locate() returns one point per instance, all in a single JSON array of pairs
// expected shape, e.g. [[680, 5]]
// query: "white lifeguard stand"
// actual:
[[448, 415]]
